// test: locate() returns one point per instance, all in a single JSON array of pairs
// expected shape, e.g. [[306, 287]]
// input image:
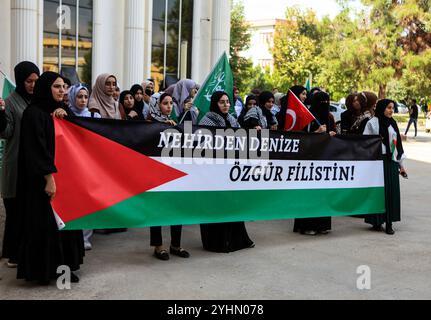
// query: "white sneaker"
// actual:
[[87, 246], [11, 265], [310, 233]]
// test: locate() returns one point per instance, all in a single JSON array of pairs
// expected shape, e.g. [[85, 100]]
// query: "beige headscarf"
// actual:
[[99, 100]]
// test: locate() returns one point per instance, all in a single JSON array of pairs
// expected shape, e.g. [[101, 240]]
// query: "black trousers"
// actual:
[[11, 231], [156, 236], [415, 123]]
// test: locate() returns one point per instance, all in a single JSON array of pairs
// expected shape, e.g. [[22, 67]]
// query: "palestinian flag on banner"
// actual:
[[111, 174]]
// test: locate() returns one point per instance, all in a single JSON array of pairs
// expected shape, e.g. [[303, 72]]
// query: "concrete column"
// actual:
[[134, 43], [40, 32], [108, 38], [24, 31], [148, 38], [201, 50], [220, 39], [5, 40]]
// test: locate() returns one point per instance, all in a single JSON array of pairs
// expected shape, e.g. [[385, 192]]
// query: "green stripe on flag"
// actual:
[[187, 208]]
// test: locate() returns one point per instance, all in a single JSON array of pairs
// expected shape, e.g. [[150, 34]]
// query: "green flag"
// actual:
[[309, 82], [8, 88], [220, 79]]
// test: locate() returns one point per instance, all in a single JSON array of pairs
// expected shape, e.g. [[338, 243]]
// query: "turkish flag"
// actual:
[[297, 114]]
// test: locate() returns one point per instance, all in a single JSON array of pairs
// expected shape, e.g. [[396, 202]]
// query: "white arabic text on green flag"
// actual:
[[220, 79]]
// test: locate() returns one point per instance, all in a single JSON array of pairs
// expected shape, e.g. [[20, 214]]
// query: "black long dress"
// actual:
[[43, 247], [225, 237], [321, 111], [229, 236], [321, 224]]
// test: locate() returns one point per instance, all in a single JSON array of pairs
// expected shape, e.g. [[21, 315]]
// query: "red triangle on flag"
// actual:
[[95, 173], [297, 114]]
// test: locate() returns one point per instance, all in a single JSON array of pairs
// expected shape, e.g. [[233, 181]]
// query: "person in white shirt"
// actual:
[[384, 125]]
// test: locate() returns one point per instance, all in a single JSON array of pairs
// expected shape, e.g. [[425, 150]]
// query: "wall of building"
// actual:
[[109, 36]]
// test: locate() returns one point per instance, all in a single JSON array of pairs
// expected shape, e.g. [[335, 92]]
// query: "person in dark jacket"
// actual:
[[26, 75], [414, 115]]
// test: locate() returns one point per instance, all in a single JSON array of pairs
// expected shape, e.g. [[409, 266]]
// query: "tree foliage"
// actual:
[[242, 68], [385, 48]]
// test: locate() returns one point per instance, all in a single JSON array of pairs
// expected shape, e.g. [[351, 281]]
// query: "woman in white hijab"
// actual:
[[102, 98]]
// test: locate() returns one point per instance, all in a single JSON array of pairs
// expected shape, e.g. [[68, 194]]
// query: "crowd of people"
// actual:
[[32, 242]]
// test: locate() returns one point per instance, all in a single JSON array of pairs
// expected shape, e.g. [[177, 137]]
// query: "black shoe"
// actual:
[[74, 278], [378, 227], [180, 252], [161, 255], [44, 283], [389, 229], [118, 230]]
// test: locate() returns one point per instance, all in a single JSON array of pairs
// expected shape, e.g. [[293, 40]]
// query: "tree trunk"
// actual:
[[382, 91]]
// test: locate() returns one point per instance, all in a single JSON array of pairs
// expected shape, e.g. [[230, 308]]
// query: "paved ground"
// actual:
[[283, 265]]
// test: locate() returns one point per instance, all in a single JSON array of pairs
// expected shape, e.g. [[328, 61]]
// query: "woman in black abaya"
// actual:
[[320, 109], [231, 236], [43, 247]]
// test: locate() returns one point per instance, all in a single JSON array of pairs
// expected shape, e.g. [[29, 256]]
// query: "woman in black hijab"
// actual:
[[253, 114], [384, 125], [320, 104], [43, 247], [320, 109], [230, 236], [138, 94], [128, 104], [266, 102], [26, 75], [301, 93], [219, 116]]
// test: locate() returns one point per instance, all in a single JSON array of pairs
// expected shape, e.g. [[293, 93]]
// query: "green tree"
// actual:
[[296, 47], [240, 36]]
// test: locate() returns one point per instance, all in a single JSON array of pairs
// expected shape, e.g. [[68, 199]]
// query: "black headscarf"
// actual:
[[42, 97], [310, 95], [281, 116], [127, 111], [215, 98], [245, 109], [123, 97], [320, 107], [297, 90], [384, 123], [23, 70], [139, 105], [264, 97]]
